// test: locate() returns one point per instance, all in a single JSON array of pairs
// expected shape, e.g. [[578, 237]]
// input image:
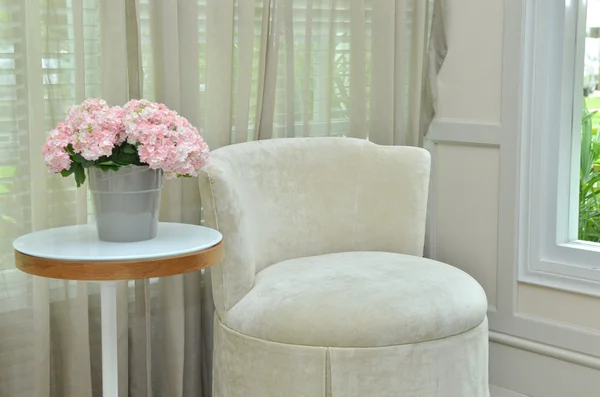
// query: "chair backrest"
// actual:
[[288, 198]]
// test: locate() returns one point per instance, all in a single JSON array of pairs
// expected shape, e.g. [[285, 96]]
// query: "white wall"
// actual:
[[539, 335], [464, 206], [470, 81]]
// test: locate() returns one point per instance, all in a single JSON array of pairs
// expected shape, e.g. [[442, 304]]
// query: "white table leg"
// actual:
[[110, 380]]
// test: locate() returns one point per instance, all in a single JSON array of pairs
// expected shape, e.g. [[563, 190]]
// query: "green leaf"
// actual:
[[129, 148], [123, 155], [68, 172], [108, 167], [127, 159], [79, 174], [587, 115], [78, 158]]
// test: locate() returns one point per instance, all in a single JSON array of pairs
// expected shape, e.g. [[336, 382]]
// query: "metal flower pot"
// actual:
[[126, 202]]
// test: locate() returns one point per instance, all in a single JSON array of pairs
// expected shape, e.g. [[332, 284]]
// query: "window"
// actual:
[[559, 239], [589, 188]]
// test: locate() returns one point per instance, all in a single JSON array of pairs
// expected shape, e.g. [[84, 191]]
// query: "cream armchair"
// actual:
[[322, 291]]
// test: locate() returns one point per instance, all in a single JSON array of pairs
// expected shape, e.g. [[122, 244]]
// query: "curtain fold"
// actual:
[[219, 69], [239, 70]]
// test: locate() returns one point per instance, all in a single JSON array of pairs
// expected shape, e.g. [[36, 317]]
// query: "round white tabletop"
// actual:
[[80, 243], [76, 253]]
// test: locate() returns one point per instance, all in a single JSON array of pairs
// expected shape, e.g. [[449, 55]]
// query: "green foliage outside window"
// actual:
[[589, 182]]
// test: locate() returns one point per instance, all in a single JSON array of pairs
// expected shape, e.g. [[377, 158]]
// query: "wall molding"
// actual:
[[455, 132], [543, 349], [467, 132]]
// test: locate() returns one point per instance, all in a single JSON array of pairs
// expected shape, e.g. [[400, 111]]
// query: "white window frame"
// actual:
[[549, 253]]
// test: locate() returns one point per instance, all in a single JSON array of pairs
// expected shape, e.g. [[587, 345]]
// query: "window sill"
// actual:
[[562, 276]]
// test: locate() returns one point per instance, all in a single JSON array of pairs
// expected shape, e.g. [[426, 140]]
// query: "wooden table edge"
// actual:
[[120, 269]]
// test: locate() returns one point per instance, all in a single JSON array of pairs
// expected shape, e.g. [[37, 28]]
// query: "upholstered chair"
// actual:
[[323, 290]]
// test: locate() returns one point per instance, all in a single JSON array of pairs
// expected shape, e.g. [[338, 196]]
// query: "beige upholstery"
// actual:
[[322, 291], [328, 300]]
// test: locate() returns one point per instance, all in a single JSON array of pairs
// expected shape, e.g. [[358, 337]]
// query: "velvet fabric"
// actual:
[[455, 366], [358, 299], [322, 291], [291, 198]]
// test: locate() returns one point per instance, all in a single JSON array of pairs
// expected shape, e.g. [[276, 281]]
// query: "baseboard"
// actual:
[[543, 349], [497, 391], [534, 371]]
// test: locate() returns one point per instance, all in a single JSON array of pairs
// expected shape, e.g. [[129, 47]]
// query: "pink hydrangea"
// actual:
[[97, 128], [54, 151], [164, 139], [92, 128]]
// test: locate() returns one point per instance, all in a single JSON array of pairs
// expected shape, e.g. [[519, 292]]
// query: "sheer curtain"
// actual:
[[239, 70]]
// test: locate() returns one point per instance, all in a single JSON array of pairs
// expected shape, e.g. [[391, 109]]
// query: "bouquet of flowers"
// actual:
[[139, 133]]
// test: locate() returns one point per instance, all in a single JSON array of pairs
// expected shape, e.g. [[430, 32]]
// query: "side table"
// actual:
[[75, 253]]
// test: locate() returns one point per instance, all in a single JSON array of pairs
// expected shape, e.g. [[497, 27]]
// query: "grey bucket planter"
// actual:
[[126, 202]]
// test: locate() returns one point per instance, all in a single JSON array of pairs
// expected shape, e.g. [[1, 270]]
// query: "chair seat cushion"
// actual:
[[359, 299]]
